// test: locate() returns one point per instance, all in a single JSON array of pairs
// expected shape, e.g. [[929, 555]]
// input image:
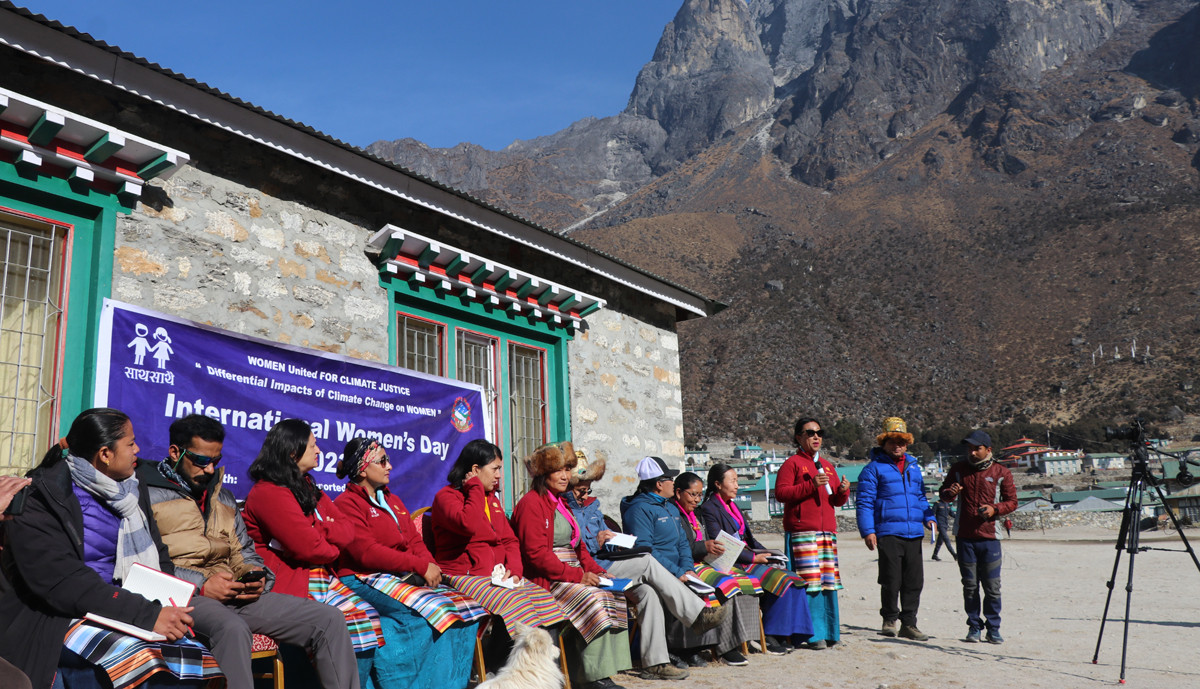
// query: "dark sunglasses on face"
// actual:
[[810, 432], [200, 461]]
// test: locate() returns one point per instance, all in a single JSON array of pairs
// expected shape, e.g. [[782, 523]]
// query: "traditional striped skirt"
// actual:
[[591, 610], [728, 585], [775, 580], [527, 604], [362, 620], [129, 661], [814, 558], [441, 607]]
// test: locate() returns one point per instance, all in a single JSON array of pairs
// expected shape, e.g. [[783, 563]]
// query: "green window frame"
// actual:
[[473, 321], [87, 222]]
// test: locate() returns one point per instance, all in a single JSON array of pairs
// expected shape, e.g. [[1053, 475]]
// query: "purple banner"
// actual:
[[157, 368]]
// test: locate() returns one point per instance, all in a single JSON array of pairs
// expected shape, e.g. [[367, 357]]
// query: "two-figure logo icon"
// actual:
[[161, 349]]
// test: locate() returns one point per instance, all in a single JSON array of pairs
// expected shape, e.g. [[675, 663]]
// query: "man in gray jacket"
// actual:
[[209, 547]]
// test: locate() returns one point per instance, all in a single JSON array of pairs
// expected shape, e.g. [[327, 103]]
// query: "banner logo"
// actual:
[[460, 415]]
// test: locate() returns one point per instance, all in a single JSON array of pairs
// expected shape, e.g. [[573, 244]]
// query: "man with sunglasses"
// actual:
[[209, 546]]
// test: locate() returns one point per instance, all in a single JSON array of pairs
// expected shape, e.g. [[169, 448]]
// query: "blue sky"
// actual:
[[362, 70]]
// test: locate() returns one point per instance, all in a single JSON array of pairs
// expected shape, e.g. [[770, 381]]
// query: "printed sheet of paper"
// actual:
[[622, 540], [733, 547]]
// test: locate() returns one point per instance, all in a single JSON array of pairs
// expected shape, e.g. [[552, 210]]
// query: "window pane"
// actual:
[[477, 365], [528, 404], [420, 345], [30, 310]]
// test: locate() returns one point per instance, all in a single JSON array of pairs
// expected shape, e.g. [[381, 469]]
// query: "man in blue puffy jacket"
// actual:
[[893, 514]]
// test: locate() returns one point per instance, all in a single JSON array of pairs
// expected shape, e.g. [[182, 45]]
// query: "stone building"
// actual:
[[121, 179]]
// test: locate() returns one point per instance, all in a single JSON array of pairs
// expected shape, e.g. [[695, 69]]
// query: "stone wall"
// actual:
[[214, 251], [626, 401]]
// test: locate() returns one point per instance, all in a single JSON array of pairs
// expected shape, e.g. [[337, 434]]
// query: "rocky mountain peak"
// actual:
[[708, 75]]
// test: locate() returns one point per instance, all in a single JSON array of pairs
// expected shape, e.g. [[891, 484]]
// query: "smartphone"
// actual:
[[252, 576], [17, 506]]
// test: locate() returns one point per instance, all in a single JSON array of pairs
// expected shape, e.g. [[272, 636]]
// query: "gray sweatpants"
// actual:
[[320, 628], [657, 589]]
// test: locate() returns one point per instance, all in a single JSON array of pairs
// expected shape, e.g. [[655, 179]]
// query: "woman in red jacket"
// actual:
[[554, 556], [429, 631], [809, 488], [298, 530], [472, 538]]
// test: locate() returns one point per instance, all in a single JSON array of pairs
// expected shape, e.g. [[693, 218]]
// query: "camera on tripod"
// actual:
[[1135, 432]]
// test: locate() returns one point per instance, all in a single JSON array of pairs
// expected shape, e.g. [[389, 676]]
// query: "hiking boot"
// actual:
[[734, 657], [663, 671], [993, 637], [710, 618], [972, 636], [890, 627], [817, 645], [677, 661], [910, 631]]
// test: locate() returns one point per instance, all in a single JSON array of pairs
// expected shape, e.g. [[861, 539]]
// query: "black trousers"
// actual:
[[901, 576]]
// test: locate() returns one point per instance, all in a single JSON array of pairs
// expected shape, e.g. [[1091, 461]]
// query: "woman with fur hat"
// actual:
[[554, 556]]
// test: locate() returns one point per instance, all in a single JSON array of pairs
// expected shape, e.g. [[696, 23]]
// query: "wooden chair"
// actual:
[[264, 647]]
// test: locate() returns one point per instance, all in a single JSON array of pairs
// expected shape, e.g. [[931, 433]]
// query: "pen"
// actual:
[[174, 605]]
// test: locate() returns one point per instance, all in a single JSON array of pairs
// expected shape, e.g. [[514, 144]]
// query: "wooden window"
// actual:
[[476, 364]]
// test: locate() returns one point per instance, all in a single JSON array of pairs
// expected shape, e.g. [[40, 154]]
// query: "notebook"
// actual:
[[152, 585]]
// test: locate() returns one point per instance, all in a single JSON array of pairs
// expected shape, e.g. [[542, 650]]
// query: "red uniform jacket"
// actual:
[[465, 540], [533, 520], [806, 505], [290, 541], [380, 544], [992, 486]]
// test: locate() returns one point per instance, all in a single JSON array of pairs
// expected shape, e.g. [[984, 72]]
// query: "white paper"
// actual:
[[151, 584], [724, 562], [622, 540], [499, 580]]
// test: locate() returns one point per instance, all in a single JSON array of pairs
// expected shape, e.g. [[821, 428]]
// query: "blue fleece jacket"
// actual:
[[891, 502], [658, 524]]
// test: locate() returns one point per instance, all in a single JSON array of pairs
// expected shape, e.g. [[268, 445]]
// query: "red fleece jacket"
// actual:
[[301, 541], [380, 543]]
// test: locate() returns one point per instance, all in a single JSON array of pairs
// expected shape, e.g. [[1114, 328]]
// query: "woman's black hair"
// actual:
[[715, 475], [649, 485], [478, 452], [90, 431], [278, 462], [804, 421], [686, 480]]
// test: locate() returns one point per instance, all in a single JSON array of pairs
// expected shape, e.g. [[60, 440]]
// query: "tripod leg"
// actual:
[[1127, 520], [1178, 529], [1133, 550]]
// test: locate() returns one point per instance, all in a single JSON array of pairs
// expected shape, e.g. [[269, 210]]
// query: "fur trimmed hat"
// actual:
[[894, 428], [550, 458], [586, 470]]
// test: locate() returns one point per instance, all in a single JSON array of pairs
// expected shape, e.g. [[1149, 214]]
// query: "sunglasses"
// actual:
[[810, 432], [201, 461], [381, 460]]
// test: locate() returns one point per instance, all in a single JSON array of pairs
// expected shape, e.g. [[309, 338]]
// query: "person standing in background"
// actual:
[[943, 512]]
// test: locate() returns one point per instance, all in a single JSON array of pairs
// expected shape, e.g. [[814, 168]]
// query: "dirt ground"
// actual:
[[1053, 593]]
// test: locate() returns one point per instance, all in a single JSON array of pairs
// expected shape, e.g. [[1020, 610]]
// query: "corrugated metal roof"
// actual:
[[713, 306]]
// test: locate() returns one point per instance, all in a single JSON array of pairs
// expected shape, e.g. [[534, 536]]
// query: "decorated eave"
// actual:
[[424, 262], [40, 139]]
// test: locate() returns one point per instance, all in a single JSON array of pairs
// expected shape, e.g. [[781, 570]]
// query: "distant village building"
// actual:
[[696, 460], [1103, 460], [1059, 462], [745, 452]]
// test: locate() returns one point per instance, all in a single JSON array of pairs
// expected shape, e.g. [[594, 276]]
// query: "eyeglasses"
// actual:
[[810, 432], [201, 461], [694, 494], [381, 460]]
